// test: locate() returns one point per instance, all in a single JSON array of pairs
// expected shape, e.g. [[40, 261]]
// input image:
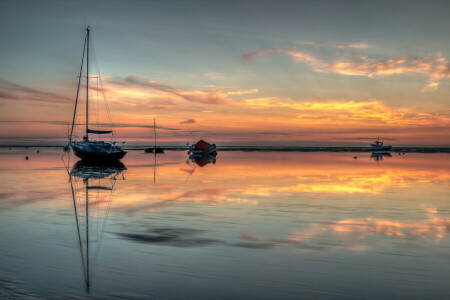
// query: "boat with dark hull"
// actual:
[[380, 146], [85, 148], [97, 150]]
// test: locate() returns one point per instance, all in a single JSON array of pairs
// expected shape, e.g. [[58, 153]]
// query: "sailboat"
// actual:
[[86, 148], [155, 148], [92, 203]]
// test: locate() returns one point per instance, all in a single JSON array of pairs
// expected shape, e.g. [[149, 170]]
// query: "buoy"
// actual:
[[355, 157], [38, 151], [26, 157]]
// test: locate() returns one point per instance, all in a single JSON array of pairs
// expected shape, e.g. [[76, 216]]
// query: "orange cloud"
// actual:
[[352, 63], [341, 111]]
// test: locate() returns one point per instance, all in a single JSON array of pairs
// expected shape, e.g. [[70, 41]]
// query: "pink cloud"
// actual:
[[350, 61]]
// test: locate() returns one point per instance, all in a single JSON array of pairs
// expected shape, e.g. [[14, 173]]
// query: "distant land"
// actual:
[[232, 144], [399, 149]]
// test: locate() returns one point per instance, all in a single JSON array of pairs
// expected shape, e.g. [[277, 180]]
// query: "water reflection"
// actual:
[[97, 181], [202, 160], [378, 155], [255, 225]]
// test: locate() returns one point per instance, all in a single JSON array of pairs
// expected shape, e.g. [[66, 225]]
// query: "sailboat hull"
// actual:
[[99, 156], [97, 151]]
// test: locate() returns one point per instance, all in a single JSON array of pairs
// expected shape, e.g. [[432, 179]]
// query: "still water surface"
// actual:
[[250, 226]]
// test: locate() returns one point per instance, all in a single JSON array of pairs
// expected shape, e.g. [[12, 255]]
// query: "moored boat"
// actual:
[[379, 145], [155, 149], [96, 150], [202, 147]]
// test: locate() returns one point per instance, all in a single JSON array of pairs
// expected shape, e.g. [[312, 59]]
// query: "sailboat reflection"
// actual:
[[93, 188], [202, 159], [378, 155]]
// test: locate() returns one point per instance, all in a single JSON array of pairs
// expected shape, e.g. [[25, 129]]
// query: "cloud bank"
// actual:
[[350, 60]]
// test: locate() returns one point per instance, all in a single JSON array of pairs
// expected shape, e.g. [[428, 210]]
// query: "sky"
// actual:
[[237, 72]]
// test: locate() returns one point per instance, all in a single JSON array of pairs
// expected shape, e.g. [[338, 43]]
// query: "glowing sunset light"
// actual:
[[239, 88]]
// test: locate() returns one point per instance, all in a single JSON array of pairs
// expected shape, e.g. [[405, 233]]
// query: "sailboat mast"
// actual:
[[78, 228], [154, 130], [87, 84], [78, 90], [87, 235]]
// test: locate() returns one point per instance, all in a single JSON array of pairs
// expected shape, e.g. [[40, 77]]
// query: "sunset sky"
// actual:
[[298, 72]]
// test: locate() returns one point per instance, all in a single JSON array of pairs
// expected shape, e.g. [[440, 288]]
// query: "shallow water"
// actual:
[[252, 225]]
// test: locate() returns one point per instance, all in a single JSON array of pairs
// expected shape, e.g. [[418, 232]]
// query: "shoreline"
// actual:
[[274, 149]]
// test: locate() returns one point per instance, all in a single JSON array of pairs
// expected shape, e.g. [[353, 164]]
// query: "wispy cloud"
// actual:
[[13, 91], [116, 125], [188, 121], [361, 45], [203, 97], [349, 60]]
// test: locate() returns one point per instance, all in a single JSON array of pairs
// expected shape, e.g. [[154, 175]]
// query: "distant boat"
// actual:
[[85, 148], [155, 148], [202, 147], [378, 145]]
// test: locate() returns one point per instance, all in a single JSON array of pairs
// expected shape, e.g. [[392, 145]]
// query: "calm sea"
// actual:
[[244, 226]]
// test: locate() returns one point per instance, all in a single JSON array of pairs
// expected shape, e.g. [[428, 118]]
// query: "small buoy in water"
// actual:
[[26, 157], [37, 151], [355, 157]]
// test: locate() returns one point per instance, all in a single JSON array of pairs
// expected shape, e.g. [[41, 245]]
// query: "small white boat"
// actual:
[[379, 145], [202, 147]]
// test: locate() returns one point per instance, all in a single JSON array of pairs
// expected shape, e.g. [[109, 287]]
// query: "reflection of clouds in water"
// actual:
[[176, 237], [18, 198], [341, 235], [345, 234], [207, 195], [339, 183], [184, 237]]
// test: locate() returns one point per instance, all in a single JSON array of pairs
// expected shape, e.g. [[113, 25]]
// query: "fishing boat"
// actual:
[[202, 147], [87, 148], [155, 148], [379, 145]]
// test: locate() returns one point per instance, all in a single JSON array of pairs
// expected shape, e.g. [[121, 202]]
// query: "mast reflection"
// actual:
[[97, 182]]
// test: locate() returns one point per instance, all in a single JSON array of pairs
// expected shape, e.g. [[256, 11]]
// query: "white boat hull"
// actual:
[[211, 150]]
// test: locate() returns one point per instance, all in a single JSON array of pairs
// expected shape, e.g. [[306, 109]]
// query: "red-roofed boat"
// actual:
[[202, 147]]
